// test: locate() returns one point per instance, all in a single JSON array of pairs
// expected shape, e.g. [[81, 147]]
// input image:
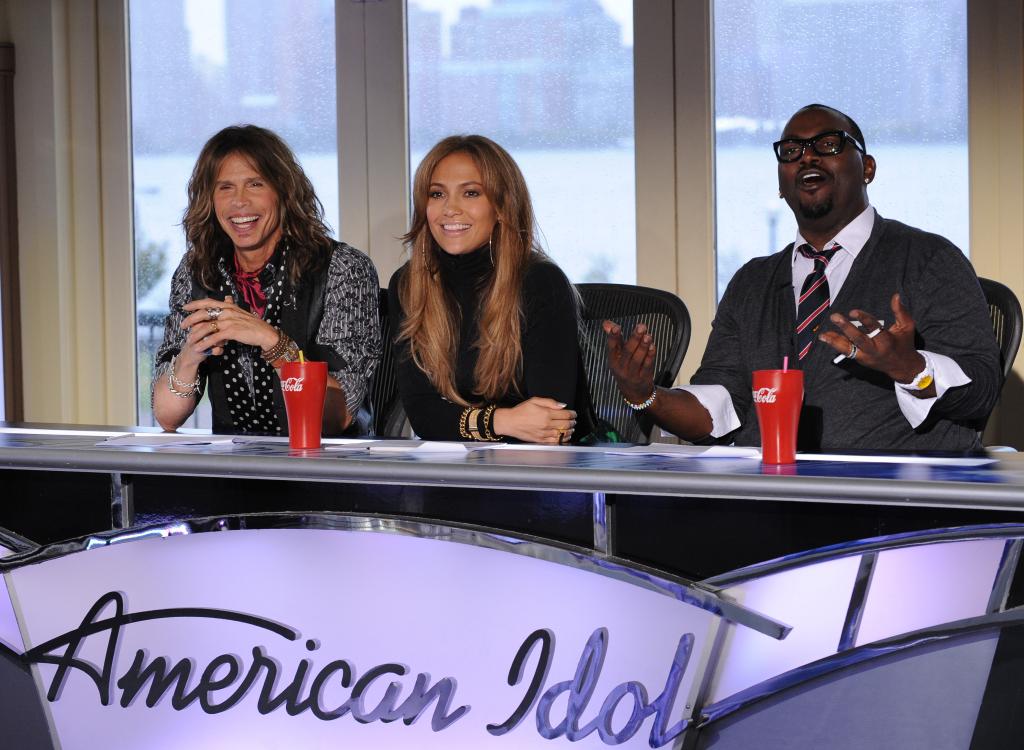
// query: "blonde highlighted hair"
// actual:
[[301, 213], [431, 324]]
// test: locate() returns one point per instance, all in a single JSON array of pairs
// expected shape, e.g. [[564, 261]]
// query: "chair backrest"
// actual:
[[1007, 320], [388, 415], [668, 321]]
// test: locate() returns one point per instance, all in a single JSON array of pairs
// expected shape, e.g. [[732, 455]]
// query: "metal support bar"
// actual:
[[858, 598], [122, 501], [1004, 576], [603, 524]]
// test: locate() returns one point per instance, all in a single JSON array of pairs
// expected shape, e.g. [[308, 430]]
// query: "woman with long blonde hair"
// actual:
[[486, 324]]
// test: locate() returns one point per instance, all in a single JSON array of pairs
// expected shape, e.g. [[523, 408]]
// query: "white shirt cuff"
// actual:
[[718, 402], [947, 375]]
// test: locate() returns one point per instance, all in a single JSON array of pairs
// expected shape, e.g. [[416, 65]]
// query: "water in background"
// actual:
[[591, 235]]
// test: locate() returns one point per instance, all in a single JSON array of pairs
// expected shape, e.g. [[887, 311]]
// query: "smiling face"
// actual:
[[459, 215], [825, 192], [248, 210]]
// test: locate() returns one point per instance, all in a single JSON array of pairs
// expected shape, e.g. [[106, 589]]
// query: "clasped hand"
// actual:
[[211, 323], [889, 350], [536, 420]]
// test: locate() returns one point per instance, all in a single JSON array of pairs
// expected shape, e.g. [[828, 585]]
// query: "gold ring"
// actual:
[[561, 436], [216, 328]]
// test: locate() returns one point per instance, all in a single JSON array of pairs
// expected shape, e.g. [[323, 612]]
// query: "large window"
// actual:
[[196, 67], [898, 67], [553, 83]]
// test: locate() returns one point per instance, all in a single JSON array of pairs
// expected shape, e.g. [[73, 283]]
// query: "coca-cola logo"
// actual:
[[295, 384], [765, 395]]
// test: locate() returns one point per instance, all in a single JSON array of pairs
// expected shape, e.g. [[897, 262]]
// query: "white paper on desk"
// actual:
[[690, 451], [410, 446], [529, 447], [68, 432], [162, 439], [883, 459]]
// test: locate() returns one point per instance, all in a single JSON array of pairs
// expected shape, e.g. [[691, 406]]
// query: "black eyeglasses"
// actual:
[[824, 144]]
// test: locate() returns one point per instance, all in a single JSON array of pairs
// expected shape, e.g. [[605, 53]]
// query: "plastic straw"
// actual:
[[785, 363], [302, 358]]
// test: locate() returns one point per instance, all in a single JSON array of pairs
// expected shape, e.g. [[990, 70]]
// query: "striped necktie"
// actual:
[[814, 298]]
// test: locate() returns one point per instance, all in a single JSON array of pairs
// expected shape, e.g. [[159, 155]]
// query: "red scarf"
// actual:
[[248, 283]]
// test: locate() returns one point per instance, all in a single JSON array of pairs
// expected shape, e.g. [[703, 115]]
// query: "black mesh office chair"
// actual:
[[668, 321], [1007, 320], [388, 415]]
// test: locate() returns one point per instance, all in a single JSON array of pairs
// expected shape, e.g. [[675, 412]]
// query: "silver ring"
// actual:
[[214, 312], [853, 352]]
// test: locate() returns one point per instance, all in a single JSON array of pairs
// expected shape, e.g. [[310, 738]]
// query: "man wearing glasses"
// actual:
[[910, 364]]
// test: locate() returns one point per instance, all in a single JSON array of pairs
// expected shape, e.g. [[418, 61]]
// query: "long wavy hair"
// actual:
[[300, 212], [432, 319]]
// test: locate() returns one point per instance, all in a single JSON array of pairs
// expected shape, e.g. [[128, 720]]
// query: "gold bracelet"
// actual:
[[464, 422], [489, 434], [474, 423]]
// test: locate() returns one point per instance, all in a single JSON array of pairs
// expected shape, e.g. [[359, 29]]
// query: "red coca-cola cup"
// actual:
[[304, 386], [778, 396]]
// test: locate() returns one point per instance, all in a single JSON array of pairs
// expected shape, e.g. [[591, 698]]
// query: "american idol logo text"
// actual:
[[292, 384], [765, 395], [333, 688]]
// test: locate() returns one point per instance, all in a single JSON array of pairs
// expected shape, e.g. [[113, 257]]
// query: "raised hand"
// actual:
[[631, 360], [889, 350]]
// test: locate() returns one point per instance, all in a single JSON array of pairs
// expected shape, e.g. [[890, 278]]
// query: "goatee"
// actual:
[[816, 210]]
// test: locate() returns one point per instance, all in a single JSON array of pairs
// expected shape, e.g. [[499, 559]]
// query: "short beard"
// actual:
[[816, 210]]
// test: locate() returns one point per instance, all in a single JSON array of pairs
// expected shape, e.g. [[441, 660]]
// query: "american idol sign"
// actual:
[[352, 638]]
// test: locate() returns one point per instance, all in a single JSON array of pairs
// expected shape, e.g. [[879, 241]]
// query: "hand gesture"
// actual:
[[631, 361], [889, 350]]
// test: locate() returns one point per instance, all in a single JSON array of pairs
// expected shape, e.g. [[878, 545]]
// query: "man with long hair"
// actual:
[[261, 280]]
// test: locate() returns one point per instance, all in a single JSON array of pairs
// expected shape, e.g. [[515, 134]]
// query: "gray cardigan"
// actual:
[[847, 406]]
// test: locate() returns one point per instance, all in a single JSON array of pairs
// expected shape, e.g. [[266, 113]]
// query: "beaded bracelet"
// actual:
[[277, 349], [643, 404]]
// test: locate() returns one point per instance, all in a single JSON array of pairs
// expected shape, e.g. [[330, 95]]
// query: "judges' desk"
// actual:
[[508, 596], [688, 510]]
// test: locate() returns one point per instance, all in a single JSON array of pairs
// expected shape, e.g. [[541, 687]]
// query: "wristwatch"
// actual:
[[924, 379]]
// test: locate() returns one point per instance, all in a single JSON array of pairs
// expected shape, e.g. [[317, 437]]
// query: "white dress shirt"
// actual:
[[851, 239]]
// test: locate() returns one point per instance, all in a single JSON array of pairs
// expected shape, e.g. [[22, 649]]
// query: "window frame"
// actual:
[[75, 198]]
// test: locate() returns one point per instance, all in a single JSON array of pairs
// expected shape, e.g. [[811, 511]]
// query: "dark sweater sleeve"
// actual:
[[951, 318], [432, 416], [723, 362], [550, 335]]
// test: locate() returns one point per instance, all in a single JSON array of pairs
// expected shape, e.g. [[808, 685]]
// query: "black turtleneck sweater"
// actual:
[[549, 342]]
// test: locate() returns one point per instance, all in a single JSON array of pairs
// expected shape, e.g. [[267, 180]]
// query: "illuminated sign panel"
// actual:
[[316, 638]]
